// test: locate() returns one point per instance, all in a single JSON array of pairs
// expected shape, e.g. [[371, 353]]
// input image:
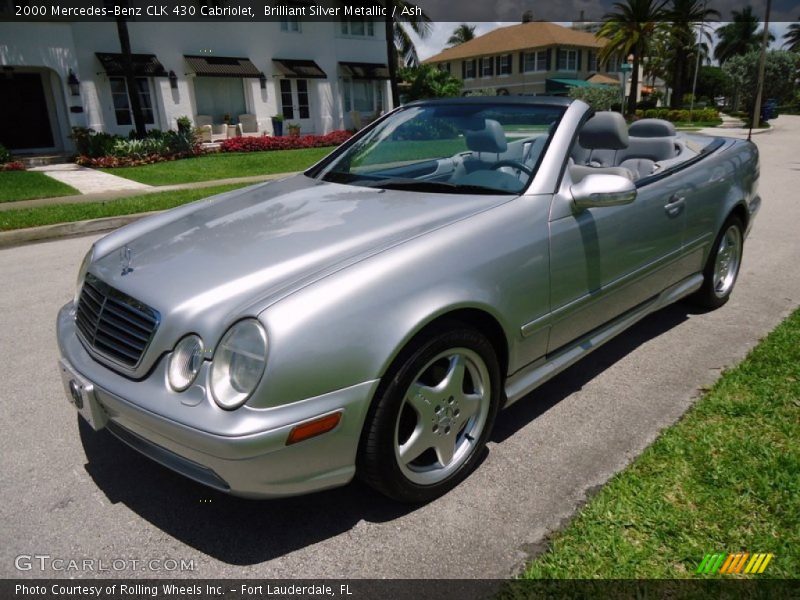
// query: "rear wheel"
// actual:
[[722, 267], [428, 426]]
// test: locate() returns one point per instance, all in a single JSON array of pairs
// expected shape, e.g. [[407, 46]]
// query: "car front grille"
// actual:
[[113, 324]]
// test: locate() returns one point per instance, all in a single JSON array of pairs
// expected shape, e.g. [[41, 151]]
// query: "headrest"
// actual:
[[659, 148], [605, 130], [491, 138], [649, 128]]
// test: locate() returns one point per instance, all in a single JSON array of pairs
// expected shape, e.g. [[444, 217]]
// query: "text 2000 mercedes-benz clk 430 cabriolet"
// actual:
[[370, 316]]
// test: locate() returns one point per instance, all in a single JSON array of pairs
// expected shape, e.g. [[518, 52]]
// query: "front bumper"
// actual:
[[242, 452]]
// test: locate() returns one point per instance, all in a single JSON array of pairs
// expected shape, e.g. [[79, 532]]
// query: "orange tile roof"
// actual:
[[535, 34], [600, 78]]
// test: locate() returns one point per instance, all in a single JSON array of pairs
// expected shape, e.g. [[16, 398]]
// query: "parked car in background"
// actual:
[[371, 316]]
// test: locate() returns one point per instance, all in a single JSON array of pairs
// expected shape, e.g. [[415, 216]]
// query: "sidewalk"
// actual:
[[89, 181], [115, 193]]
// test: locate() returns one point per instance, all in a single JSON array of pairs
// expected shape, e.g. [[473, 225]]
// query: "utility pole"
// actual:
[[762, 62]]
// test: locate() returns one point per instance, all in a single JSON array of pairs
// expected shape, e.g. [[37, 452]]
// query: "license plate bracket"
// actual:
[[80, 393]]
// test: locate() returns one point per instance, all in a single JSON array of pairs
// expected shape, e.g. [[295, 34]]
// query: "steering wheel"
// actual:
[[514, 164]]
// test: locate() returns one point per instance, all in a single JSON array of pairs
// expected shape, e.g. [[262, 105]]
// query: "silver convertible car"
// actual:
[[370, 316]]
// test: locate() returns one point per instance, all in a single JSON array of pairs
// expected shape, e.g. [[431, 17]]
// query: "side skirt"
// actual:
[[527, 379]]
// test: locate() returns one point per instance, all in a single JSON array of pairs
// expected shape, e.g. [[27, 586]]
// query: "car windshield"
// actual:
[[458, 148]]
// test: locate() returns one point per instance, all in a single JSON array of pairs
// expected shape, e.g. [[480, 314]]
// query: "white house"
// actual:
[[55, 76]]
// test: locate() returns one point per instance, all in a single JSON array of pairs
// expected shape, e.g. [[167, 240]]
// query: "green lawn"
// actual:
[[724, 479], [64, 213], [222, 165], [25, 185]]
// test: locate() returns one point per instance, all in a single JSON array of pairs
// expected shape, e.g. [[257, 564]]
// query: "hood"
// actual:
[[230, 253]]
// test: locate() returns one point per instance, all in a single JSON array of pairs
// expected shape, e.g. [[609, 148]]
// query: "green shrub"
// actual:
[[184, 124], [89, 142], [5, 155], [599, 98], [651, 113]]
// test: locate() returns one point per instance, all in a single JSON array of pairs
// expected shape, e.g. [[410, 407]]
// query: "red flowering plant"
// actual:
[[266, 142]]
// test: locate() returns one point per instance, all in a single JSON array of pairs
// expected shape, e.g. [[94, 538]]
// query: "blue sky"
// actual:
[[437, 40]]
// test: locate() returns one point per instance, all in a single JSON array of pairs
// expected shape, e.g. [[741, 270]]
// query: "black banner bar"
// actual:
[[409, 589], [337, 10]]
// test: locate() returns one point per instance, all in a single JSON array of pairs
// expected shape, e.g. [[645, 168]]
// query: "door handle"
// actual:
[[674, 205]]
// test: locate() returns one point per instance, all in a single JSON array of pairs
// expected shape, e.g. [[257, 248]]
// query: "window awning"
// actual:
[[222, 66], [144, 65], [358, 70], [556, 86], [302, 69]]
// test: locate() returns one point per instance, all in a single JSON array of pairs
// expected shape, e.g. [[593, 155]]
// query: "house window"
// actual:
[[592, 66], [358, 27], [504, 65], [290, 24], [363, 95], [287, 105], [487, 67], [469, 69], [119, 96], [567, 60], [612, 65], [444, 67], [535, 61]]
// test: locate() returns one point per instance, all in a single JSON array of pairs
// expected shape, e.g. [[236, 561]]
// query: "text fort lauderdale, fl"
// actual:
[[317, 10]]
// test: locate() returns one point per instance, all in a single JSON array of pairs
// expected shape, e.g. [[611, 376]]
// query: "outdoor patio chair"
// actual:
[[248, 126]]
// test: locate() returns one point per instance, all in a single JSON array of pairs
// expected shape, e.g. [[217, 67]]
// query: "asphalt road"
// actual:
[[71, 494]]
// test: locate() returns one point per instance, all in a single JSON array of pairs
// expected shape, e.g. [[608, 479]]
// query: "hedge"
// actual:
[[290, 142], [679, 115]]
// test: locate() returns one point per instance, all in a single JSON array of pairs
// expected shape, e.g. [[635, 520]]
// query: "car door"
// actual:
[[605, 261]]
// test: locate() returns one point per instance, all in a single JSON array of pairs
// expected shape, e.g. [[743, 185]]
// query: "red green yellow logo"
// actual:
[[729, 564]]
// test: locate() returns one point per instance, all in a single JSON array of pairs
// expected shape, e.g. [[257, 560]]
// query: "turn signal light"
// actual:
[[314, 428]]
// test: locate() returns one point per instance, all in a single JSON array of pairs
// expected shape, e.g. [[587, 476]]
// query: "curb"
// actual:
[[18, 237]]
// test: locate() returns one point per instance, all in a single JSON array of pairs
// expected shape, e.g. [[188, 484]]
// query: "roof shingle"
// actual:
[[535, 34]]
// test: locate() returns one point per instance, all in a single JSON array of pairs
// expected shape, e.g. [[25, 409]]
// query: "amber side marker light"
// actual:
[[313, 428]]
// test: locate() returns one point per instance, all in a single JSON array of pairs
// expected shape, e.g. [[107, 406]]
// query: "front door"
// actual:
[[296, 104], [25, 120], [606, 261]]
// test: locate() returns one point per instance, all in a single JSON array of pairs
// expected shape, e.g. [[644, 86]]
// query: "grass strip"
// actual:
[[25, 185], [222, 165], [724, 479], [65, 213]]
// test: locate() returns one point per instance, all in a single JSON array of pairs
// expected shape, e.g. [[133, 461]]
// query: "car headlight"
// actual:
[[87, 260], [238, 364], [185, 362]]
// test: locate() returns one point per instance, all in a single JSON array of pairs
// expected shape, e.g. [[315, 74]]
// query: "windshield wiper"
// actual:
[[442, 187]]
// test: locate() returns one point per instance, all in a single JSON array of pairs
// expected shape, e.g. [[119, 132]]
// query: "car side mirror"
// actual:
[[603, 189]]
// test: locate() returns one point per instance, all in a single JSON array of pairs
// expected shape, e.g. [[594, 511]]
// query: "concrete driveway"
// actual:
[[72, 494]]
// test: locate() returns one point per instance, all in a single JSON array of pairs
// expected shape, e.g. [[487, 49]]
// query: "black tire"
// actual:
[[378, 462], [709, 295]]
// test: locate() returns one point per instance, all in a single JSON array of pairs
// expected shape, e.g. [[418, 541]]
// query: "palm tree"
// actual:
[[462, 33], [684, 17], [740, 36], [792, 38], [130, 76], [398, 41], [628, 30]]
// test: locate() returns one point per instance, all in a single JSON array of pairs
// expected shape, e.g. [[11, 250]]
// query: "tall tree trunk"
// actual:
[[678, 86], [391, 53], [130, 78]]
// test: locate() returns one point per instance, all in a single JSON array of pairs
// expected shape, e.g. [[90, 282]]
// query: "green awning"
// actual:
[[562, 86]]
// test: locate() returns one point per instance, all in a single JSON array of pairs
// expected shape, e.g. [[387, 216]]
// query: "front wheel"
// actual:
[[722, 267], [427, 428]]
